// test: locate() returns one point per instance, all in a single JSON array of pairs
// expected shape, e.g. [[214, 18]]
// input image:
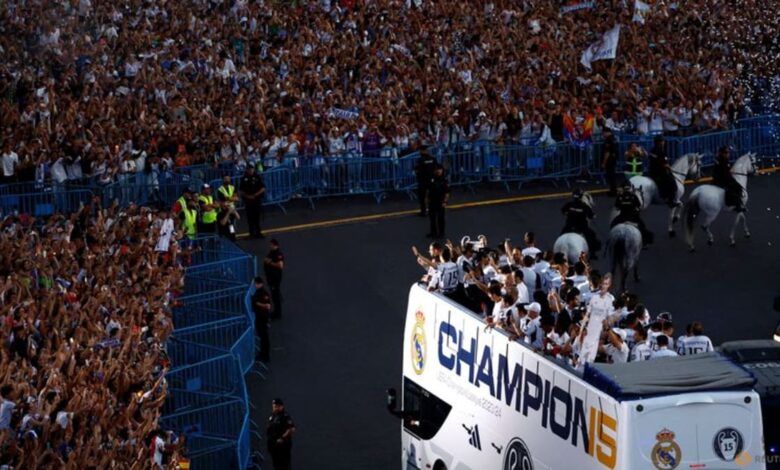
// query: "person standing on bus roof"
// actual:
[[696, 343], [641, 350], [663, 348], [446, 278], [279, 436]]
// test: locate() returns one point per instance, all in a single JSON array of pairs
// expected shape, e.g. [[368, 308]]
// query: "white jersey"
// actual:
[[448, 276], [464, 266], [617, 355], [534, 335], [694, 345], [663, 352], [522, 293], [641, 352], [531, 251], [630, 340]]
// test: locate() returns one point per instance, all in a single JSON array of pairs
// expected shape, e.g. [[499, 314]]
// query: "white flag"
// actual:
[[604, 48], [641, 9]]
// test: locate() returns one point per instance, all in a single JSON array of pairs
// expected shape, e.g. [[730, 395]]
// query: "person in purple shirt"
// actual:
[[372, 141]]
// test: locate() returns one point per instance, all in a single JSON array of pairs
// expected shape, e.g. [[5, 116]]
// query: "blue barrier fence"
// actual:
[[310, 178], [211, 350]]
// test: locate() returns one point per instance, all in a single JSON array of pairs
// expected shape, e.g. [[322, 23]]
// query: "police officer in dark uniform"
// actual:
[[424, 170], [609, 161], [261, 305], [279, 435], [661, 171], [252, 189], [722, 177], [578, 216], [273, 264], [438, 194], [629, 205]]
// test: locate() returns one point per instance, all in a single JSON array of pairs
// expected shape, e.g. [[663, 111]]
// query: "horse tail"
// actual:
[[690, 211], [616, 253]]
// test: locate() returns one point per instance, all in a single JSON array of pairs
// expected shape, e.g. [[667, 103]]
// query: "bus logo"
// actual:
[[728, 444], [517, 456], [666, 453], [419, 346]]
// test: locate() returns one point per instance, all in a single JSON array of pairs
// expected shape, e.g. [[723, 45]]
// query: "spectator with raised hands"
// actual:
[[85, 309], [102, 75]]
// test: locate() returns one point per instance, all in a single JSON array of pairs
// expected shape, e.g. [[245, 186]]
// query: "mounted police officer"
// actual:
[[661, 172], [722, 177], [578, 216], [629, 207]]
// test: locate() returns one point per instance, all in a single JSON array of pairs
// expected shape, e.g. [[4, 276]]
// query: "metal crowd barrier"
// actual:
[[467, 163], [44, 204], [211, 350]]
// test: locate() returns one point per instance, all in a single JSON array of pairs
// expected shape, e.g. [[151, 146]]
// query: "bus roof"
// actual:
[[663, 376]]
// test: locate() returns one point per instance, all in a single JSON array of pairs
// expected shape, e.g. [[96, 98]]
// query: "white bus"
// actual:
[[474, 399]]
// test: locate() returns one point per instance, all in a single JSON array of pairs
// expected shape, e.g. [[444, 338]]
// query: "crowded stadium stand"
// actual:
[[127, 338]]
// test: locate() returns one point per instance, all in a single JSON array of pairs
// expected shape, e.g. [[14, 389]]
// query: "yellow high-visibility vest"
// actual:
[[227, 193], [190, 223], [209, 216]]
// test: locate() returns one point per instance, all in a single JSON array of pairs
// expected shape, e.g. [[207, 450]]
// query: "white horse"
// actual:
[[685, 167], [624, 246], [573, 244], [708, 200]]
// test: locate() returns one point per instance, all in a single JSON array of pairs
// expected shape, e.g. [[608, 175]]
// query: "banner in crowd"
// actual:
[[603, 49], [641, 10], [343, 113], [573, 6], [578, 134]]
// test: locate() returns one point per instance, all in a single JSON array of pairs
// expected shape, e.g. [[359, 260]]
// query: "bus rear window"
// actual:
[[424, 412]]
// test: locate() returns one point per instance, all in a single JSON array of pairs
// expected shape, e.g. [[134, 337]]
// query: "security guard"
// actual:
[[609, 161], [182, 202], [226, 195], [189, 219], [279, 435], [273, 265], [629, 205], [424, 170], [578, 215], [252, 190], [438, 195], [208, 211], [661, 171], [722, 177], [261, 306]]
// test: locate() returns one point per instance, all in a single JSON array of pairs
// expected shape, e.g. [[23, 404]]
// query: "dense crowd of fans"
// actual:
[[537, 297], [109, 89], [85, 310]]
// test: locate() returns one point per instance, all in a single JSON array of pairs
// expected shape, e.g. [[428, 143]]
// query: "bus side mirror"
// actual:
[[392, 402]]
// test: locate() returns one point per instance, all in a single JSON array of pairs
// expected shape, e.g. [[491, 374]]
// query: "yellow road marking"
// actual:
[[463, 205]]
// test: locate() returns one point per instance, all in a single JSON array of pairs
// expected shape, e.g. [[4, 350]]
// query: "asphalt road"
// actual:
[[339, 344]]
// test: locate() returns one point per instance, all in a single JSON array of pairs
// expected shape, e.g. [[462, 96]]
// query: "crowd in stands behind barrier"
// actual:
[[86, 310]]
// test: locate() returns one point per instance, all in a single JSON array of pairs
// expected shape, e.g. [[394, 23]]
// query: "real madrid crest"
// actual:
[[666, 453], [419, 346]]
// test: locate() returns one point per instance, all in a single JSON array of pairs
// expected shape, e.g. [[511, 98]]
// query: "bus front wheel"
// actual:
[[439, 465]]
